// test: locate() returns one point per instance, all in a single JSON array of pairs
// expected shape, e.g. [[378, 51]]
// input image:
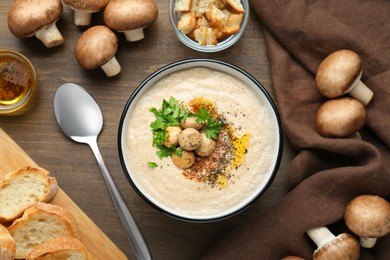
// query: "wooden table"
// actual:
[[74, 165]]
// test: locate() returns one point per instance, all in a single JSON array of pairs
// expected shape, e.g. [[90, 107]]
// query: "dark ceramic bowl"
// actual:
[[274, 152]]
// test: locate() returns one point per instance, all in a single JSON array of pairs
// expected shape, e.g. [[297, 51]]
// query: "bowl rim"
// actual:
[[220, 46], [200, 62]]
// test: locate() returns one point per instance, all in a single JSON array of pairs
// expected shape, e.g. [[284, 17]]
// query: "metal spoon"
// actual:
[[80, 119]]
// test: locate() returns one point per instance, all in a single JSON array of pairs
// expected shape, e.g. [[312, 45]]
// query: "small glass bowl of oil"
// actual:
[[18, 83]]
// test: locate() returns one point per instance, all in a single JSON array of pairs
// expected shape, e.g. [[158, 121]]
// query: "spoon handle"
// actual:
[[140, 248]]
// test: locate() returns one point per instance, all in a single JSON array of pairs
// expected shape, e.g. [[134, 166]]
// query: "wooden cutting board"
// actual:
[[13, 157]]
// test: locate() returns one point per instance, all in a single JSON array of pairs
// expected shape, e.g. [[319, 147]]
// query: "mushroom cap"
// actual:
[[189, 139], [344, 246], [185, 161], [123, 15], [95, 47], [337, 72], [368, 216], [25, 17], [340, 117], [87, 5]]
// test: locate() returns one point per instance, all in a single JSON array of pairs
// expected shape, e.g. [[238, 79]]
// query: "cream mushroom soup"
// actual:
[[251, 121]]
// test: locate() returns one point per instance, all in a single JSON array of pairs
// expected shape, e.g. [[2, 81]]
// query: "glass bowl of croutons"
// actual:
[[209, 25]]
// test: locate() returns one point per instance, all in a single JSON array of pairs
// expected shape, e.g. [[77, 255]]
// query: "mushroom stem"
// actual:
[[320, 236], [134, 35], [367, 242], [111, 67], [82, 18], [361, 92], [50, 36]]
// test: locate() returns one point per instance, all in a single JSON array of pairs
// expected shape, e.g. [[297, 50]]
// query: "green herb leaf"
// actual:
[[170, 114], [152, 165], [202, 116], [211, 126], [179, 151], [158, 124]]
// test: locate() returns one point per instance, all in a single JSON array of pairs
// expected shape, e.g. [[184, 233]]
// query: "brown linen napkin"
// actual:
[[326, 173]]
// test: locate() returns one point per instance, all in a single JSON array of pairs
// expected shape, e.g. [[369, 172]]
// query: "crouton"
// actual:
[[232, 25], [215, 17], [183, 5], [234, 6], [206, 36], [187, 22], [195, 8], [202, 22], [209, 21], [203, 6]]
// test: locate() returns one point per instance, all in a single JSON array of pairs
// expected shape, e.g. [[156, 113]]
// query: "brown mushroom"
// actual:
[[368, 216], [83, 10], [292, 257], [329, 246], [340, 117], [171, 136], [185, 160], [130, 17], [96, 47], [207, 146], [190, 122], [340, 73], [36, 17], [189, 139]]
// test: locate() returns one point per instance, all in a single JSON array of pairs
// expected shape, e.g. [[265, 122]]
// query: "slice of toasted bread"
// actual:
[[41, 222], [7, 244], [64, 247], [22, 188]]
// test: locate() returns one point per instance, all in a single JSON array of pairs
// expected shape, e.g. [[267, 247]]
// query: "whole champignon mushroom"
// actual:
[[130, 17], [185, 161], [96, 47], [340, 73], [189, 139], [340, 117], [171, 136], [368, 216], [329, 246], [36, 17], [83, 10], [207, 146], [190, 122]]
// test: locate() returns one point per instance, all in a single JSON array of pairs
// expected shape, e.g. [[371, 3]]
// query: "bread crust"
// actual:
[[60, 246], [16, 185], [49, 220], [7, 244]]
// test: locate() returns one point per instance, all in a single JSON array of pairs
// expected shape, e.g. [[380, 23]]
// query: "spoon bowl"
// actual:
[[77, 121], [80, 118]]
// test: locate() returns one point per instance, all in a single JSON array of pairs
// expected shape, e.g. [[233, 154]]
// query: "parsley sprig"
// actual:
[[212, 127], [171, 114]]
